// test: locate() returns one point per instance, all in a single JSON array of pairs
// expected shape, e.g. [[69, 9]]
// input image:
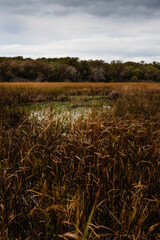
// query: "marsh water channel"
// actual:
[[72, 109]]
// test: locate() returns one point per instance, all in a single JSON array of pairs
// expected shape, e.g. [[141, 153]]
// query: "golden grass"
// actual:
[[19, 93], [100, 180], [80, 85]]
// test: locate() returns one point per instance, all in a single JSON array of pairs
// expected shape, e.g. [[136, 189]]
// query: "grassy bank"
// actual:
[[99, 180]]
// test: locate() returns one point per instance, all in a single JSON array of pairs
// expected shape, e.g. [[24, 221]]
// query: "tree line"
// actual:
[[68, 69]]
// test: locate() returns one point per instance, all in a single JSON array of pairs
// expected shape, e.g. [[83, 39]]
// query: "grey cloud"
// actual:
[[84, 3], [99, 8], [104, 29]]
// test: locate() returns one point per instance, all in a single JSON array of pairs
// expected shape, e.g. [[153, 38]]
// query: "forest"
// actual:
[[72, 69]]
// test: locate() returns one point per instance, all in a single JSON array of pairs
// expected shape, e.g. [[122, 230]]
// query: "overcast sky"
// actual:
[[88, 29]]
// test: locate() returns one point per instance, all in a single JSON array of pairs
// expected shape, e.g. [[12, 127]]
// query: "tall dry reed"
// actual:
[[96, 178]]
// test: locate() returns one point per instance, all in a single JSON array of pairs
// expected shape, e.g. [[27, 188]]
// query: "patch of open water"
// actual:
[[69, 111]]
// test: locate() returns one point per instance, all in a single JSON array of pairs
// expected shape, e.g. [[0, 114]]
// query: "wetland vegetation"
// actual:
[[80, 161]]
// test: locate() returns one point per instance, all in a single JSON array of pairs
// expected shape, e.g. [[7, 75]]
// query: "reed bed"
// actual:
[[99, 180], [19, 93]]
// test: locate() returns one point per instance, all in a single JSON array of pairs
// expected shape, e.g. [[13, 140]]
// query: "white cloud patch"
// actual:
[[97, 48]]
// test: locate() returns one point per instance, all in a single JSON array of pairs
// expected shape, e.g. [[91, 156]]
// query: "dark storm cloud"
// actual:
[[85, 3], [99, 8], [109, 7], [116, 8]]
